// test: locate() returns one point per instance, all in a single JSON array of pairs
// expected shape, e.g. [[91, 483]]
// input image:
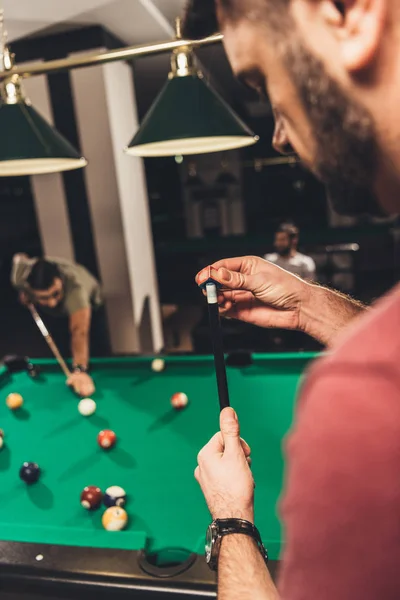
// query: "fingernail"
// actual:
[[232, 414], [224, 274]]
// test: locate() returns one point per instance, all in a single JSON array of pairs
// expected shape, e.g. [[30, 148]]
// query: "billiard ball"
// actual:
[[114, 518], [14, 401], [1, 439], [158, 364], [106, 439], [87, 407], [179, 400], [33, 370], [29, 472], [91, 497], [114, 496]]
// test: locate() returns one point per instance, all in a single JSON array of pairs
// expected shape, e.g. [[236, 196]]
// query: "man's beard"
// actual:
[[284, 252], [344, 132]]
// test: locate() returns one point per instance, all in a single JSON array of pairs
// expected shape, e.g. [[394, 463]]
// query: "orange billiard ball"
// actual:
[[14, 401], [106, 439]]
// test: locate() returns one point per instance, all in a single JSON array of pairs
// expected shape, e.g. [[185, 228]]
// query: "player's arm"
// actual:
[[228, 486], [242, 573], [325, 312], [340, 510], [79, 326], [20, 263], [23, 298]]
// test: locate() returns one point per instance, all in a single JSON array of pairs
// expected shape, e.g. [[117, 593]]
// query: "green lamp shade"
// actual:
[[29, 145], [189, 117]]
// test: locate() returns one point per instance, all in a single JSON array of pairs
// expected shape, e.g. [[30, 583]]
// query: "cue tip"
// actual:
[[212, 295]]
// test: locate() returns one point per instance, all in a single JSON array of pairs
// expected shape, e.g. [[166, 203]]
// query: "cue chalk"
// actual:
[[207, 277], [210, 280], [45, 333], [216, 337]]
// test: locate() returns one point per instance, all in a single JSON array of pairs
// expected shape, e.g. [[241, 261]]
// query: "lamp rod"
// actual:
[[100, 58]]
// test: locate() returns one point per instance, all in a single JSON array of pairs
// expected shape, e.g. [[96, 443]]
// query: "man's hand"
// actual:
[[82, 384], [224, 474], [259, 292], [23, 298], [256, 291]]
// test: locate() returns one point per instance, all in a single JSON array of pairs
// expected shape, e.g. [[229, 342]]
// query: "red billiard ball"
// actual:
[[106, 439], [91, 497], [179, 400]]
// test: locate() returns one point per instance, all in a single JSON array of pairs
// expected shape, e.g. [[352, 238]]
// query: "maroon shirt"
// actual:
[[341, 506]]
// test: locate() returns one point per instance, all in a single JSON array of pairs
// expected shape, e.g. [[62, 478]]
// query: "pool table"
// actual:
[[51, 547]]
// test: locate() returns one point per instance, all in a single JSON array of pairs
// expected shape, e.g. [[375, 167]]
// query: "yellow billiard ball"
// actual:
[[114, 518], [14, 401]]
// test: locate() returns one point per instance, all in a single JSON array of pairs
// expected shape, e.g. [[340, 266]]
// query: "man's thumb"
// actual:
[[230, 429]]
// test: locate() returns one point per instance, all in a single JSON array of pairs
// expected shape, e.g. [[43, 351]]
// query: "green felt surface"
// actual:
[[155, 455]]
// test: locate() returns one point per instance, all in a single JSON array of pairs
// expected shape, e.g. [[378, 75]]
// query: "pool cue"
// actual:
[[216, 336], [43, 330]]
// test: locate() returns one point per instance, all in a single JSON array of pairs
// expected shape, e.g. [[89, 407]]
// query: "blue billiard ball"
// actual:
[[114, 496], [29, 472]]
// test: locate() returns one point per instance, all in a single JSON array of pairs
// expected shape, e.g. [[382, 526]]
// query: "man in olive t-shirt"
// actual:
[[62, 288]]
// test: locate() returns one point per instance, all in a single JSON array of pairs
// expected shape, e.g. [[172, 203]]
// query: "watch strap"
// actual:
[[80, 369], [228, 526], [241, 527]]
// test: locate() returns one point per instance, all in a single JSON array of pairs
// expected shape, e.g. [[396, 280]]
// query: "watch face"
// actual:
[[209, 542]]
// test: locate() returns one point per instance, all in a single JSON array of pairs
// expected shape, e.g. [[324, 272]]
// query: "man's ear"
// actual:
[[360, 28]]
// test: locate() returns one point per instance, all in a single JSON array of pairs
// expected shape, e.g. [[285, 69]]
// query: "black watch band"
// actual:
[[222, 527], [80, 369]]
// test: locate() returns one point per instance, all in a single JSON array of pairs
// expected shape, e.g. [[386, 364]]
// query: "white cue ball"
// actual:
[[87, 407], [158, 365]]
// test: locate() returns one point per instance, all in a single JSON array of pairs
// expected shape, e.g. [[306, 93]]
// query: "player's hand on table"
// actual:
[[224, 474], [258, 292], [81, 383]]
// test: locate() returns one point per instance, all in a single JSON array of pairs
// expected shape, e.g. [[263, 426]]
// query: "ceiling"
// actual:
[[134, 21]]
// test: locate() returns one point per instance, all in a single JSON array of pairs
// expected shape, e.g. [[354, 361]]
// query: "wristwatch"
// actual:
[[221, 527], [80, 369]]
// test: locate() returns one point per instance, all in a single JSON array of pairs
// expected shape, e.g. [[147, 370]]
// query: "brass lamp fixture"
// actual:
[[188, 117], [29, 145]]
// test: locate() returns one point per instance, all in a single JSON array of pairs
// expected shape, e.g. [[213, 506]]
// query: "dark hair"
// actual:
[[290, 228], [200, 16], [43, 274], [200, 19]]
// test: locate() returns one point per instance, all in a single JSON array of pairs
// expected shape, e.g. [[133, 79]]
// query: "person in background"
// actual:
[[62, 288], [287, 257]]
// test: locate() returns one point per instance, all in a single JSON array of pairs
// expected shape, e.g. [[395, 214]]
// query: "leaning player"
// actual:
[[64, 289]]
